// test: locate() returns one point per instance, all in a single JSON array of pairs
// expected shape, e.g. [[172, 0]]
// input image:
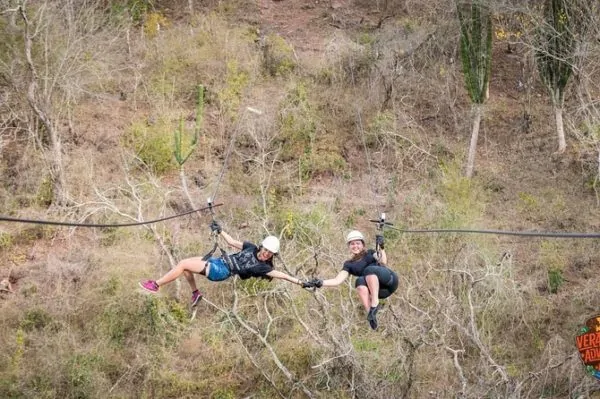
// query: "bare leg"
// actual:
[[373, 284], [363, 294], [190, 265], [189, 276]]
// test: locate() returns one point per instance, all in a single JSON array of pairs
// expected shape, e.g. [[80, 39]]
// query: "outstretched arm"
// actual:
[[283, 276], [382, 257], [337, 280], [232, 242]]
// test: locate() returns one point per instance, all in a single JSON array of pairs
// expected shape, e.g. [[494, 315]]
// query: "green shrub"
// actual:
[[366, 38], [236, 81], [254, 286], [19, 351], [170, 384], [6, 241], [353, 217], [112, 286], [113, 235], [303, 227], [364, 345], [154, 22], [323, 162], [464, 202], [223, 393], [297, 133], [134, 9], [278, 56], [298, 127], [528, 203], [352, 61], [33, 233], [379, 127], [9, 387], [35, 319], [297, 358], [552, 257], [45, 192], [555, 280], [78, 375], [153, 145], [146, 319]]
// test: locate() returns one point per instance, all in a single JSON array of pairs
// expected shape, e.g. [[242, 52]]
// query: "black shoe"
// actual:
[[372, 317]]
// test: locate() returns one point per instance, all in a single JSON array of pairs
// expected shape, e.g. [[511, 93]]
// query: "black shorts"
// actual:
[[388, 279]]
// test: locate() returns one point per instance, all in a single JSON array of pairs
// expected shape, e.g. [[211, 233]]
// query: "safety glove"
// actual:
[[215, 227], [316, 282], [379, 241], [307, 284]]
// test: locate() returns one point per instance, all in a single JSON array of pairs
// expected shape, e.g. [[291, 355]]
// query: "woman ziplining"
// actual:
[[374, 280], [251, 261]]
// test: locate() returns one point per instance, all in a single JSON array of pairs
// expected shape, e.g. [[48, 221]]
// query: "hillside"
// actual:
[[315, 117]]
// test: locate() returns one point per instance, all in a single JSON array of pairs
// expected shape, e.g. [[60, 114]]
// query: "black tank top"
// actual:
[[356, 267]]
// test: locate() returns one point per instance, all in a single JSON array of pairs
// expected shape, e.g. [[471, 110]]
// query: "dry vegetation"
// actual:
[[362, 109]]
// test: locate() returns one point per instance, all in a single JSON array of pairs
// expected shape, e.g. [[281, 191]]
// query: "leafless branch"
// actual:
[[461, 374]]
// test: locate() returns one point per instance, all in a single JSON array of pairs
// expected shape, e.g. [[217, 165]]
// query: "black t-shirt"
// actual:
[[246, 264], [357, 267]]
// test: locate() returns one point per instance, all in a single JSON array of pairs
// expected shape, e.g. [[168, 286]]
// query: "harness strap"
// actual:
[[210, 253], [233, 267]]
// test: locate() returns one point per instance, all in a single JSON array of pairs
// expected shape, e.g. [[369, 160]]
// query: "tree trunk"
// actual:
[[478, 111], [40, 108], [184, 186], [560, 129]]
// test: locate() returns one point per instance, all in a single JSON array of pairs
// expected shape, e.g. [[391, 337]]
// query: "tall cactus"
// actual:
[[181, 154], [554, 55], [475, 21]]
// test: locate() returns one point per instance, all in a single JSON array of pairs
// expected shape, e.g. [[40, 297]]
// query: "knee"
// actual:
[[186, 264], [362, 290], [182, 264], [371, 278]]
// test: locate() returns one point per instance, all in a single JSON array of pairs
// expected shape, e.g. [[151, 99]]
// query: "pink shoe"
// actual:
[[196, 296], [149, 285]]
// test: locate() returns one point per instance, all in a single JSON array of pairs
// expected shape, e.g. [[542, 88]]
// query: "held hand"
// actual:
[[216, 227], [316, 282], [379, 241], [306, 284]]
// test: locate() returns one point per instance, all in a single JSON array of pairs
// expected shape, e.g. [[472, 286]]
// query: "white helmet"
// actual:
[[271, 243], [355, 235]]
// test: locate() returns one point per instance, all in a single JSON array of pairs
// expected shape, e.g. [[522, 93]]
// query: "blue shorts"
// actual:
[[218, 270]]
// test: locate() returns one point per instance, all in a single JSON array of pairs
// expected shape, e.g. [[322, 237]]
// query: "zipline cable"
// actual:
[[498, 232], [72, 224]]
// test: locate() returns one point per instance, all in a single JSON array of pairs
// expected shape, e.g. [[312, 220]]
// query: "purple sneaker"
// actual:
[[196, 296], [149, 285]]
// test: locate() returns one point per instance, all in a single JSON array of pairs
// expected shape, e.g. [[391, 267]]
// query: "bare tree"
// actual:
[[40, 104], [52, 52], [476, 53], [556, 53]]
